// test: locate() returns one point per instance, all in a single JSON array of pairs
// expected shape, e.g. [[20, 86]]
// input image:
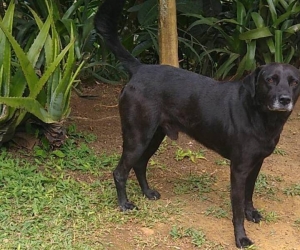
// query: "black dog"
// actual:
[[242, 121]]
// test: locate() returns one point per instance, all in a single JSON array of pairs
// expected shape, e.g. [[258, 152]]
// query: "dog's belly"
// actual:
[[209, 139], [214, 142]]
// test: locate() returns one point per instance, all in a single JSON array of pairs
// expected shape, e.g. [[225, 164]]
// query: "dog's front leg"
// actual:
[[238, 177], [250, 211]]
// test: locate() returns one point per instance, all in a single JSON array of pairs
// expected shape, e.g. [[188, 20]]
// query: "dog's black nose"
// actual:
[[284, 99]]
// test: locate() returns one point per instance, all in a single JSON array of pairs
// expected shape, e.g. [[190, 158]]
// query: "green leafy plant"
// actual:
[[223, 40], [46, 96], [189, 154], [256, 33]]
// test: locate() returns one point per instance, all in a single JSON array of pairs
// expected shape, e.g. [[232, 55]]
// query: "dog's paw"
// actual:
[[152, 194], [253, 215], [128, 206], [243, 242]]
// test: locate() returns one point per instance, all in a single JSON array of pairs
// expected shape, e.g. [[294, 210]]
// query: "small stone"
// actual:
[[147, 231]]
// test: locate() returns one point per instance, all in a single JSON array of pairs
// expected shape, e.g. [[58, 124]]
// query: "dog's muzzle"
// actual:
[[282, 103]]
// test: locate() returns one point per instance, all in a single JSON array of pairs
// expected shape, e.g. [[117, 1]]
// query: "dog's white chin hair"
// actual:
[[276, 106]]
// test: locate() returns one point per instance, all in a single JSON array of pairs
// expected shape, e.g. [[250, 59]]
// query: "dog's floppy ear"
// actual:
[[250, 81]]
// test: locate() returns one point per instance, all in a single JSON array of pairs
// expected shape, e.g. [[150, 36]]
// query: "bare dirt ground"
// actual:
[[280, 230]]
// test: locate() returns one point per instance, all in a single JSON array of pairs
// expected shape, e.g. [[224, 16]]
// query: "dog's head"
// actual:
[[275, 86]]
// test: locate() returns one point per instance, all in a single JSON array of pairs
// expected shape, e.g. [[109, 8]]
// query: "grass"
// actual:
[[266, 185], [181, 154], [293, 190], [279, 151], [223, 162], [66, 199], [61, 199], [269, 216], [217, 212], [297, 223], [196, 237], [40, 209], [200, 185]]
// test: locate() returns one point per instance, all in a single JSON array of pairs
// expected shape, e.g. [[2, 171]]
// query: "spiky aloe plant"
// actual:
[[47, 96]]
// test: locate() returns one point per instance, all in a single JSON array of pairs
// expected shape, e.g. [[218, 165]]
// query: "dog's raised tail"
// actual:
[[106, 23]]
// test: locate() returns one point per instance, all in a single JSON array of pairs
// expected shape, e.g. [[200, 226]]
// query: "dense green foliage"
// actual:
[[221, 38]]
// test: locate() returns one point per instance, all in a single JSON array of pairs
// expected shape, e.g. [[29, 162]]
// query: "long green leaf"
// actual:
[[72, 9], [58, 101], [272, 9], [29, 104], [293, 29], [213, 22], [39, 42], [148, 12], [228, 64], [50, 70], [284, 17], [66, 110], [285, 4], [250, 56], [258, 20], [290, 55], [141, 47], [48, 44], [5, 51], [278, 46], [241, 68], [271, 45], [18, 83], [241, 14], [256, 34], [26, 66]]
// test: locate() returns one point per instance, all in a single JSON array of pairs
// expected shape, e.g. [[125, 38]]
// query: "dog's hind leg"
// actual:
[[136, 154], [250, 212], [141, 167], [141, 138]]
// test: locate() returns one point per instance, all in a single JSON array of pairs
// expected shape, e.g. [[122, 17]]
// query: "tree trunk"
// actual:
[[168, 39]]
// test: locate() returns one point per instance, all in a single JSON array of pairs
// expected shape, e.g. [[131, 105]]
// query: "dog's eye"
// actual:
[[270, 80], [293, 83]]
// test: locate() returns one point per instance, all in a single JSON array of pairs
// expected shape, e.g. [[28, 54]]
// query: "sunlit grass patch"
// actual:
[[267, 186], [279, 151], [269, 216], [217, 212], [200, 185], [66, 199], [293, 190], [181, 154], [195, 236]]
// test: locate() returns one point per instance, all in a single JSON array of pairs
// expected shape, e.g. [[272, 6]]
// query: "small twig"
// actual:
[[107, 106], [91, 119]]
